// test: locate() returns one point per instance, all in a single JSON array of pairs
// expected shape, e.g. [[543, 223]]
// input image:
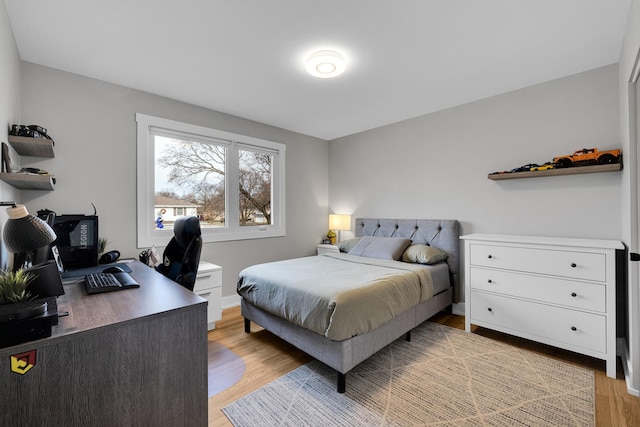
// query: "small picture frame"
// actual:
[[6, 160]]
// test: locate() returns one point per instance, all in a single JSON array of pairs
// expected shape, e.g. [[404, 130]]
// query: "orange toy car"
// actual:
[[588, 156]]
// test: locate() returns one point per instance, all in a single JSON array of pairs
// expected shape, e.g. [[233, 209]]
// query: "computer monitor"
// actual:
[[77, 240]]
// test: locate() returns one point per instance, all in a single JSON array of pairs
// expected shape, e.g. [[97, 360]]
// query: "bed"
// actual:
[[344, 339]]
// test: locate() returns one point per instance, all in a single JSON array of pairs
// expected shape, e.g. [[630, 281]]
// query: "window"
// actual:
[[185, 169]]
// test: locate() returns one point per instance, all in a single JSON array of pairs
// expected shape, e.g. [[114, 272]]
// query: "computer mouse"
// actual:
[[114, 269]]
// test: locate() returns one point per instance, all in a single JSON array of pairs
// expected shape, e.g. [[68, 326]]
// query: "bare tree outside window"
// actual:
[[255, 187], [194, 172]]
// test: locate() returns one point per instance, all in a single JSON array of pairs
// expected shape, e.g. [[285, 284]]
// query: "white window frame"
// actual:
[[149, 235]]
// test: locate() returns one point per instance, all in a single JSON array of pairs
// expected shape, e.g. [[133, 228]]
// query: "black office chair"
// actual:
[[182, 255]]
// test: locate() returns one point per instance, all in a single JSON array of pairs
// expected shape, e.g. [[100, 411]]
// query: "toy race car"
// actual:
[[588, 156], [544, 167], [526, 168]]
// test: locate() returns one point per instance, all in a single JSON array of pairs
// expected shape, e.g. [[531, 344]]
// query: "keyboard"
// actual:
[[97, 283]]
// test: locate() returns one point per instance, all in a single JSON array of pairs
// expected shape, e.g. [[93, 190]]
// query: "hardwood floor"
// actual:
[[267, 357]]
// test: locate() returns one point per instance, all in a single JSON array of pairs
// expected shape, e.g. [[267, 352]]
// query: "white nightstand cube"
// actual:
[[209, 286], [328, 249]]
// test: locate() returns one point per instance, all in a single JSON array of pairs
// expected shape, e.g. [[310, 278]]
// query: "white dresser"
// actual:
[[557, 291], [209, 286]]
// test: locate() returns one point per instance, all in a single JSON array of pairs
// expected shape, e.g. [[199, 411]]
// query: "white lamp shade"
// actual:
[[339, 222]]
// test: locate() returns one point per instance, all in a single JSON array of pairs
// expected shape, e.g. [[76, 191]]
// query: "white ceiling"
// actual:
[[405, 58]]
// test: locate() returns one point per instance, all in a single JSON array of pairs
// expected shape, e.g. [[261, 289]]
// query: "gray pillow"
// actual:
[[347, 245], [424, 254], [380, 247]]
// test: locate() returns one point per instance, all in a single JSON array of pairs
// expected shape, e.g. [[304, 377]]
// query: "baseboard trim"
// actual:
[[458, 308], [622, 350], [230, 301]]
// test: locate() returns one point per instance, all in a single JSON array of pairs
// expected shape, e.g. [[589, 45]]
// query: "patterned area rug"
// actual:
[[443, 377]]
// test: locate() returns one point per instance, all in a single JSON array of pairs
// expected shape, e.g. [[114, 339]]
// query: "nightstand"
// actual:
[[209, 286], [327, 249]]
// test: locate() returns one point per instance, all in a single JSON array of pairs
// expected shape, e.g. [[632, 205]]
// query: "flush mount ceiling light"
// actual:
[[325, 64]]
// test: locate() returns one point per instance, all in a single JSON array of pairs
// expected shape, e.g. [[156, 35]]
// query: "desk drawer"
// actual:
[[540, 321], [581, 295], [571, 264]]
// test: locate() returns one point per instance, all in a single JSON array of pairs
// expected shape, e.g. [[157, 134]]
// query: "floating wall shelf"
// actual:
[[24, 181], [33, 147], [574, 170]]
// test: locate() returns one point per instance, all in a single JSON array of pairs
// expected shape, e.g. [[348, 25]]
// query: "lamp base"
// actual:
[[19, 261]]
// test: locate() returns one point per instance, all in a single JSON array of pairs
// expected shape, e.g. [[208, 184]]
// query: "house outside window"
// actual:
[[185, 169]]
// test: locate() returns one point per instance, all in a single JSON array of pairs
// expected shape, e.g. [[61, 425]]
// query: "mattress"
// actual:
[[340, 295]]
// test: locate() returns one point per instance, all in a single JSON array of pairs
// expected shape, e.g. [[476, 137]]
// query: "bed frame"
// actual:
[[345, 355]]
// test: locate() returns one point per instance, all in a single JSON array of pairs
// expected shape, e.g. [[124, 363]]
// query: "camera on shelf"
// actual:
[[31, 131]]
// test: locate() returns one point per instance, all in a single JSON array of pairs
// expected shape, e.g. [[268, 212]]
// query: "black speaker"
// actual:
[[47, 281], [109, 257]]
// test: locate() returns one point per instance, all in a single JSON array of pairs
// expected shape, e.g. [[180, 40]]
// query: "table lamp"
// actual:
[[24, 233], [339, 222]]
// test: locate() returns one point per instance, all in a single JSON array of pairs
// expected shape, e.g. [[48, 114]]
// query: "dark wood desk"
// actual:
[[136, 357]]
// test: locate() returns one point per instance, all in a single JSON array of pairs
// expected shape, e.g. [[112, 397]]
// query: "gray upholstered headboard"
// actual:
[[440, 233]]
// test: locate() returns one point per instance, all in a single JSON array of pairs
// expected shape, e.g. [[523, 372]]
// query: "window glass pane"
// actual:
[[185, 169], [189, 180], [255, 169]]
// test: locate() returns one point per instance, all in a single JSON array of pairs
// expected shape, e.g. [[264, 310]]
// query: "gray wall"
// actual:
[[93, 124], [9, 106], [436, 166]]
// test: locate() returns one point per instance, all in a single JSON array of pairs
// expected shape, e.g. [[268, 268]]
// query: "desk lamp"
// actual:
[[23, 234], [339, 222]]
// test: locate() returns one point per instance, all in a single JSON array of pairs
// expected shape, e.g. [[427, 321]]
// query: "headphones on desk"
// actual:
[[109, 257]]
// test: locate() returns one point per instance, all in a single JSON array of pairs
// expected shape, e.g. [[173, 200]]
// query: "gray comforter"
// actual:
[[336, 295]]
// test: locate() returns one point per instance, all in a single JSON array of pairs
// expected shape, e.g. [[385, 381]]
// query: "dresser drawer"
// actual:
[[209, 276], [572, 264], [540, 321], [581, 295]]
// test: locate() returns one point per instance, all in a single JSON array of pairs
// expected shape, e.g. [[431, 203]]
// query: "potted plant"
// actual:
[[16, 302], [102, 245], [331, 235]]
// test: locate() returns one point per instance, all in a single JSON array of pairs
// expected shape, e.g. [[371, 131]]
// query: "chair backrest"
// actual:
[[182, 255]]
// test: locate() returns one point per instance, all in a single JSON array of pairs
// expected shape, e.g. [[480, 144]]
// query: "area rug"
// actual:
[[443, 377]]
